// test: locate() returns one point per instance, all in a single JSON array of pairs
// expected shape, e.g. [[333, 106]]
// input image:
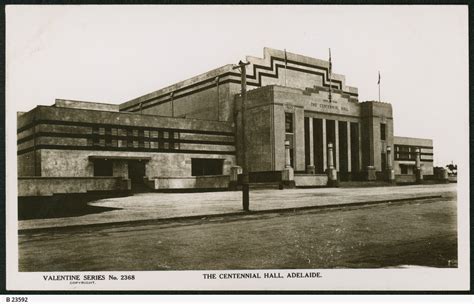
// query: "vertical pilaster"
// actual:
[[311, 146], [349, 164], [325, 162], [360, 146], [336, 135]]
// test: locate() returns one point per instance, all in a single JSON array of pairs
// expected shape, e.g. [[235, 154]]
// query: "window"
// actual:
[[205, 166], [289, 122], [103, 167], [404, 169], [382, 132]]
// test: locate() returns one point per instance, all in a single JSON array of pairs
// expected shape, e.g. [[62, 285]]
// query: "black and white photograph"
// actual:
[[237, 147]]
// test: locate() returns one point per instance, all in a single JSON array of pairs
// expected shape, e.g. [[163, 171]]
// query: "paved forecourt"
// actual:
[[149, 206]]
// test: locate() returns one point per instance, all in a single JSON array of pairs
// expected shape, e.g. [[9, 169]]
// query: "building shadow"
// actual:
[[63, 205]]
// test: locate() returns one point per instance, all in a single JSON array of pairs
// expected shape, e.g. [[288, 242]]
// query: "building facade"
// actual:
[[189, 135]]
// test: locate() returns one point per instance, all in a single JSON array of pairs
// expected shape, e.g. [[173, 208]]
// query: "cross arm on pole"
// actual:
[[240, 65]]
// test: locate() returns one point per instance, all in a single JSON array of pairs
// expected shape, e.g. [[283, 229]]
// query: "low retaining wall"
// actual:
[[405, 179], [47, 186], [189, 182], [311, 180]]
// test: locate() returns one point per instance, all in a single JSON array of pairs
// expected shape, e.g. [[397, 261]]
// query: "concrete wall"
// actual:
[[86, 105], [311, 180], [209, 104], [192, 182], [405, 178], [206, 96], [179, 164], [74, 163], [210, 95], [259, 143], [120, 118], [45, 186], [266, 108], [301, 72], [412, 141], [372, 115], [26, 164], [63, 140]]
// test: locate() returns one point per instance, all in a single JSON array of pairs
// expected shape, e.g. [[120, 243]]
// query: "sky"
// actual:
[[117, 53]]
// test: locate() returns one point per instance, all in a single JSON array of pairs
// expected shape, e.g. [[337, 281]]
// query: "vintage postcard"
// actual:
[[209, 148]]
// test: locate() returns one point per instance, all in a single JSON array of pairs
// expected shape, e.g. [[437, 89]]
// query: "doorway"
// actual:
[[136, 172]]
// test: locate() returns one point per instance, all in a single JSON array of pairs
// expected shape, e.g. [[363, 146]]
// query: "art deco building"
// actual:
[[189, 135]]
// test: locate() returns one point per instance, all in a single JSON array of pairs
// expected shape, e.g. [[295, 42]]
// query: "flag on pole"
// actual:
[[379, 79]]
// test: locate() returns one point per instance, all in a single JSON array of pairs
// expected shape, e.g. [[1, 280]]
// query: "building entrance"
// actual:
[[136, 172]]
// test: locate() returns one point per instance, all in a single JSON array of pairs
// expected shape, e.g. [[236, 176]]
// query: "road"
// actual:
[[419, 233]]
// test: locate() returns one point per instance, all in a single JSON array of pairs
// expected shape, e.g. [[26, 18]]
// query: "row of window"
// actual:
[[134, 138], [123, 143], [134, 133], [409, 153]]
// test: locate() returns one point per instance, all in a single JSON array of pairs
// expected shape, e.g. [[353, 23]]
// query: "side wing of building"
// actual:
[[68, 142], [405, 155]]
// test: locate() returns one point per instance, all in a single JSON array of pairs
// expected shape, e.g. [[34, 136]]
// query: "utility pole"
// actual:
[[245, 173]]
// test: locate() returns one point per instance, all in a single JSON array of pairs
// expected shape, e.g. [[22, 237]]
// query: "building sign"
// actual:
[[325, 106]]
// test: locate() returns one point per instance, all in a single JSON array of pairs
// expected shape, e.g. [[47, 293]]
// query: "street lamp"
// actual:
[[245, 174]]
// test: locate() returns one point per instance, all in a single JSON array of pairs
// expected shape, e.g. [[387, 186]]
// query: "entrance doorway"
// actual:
[[136, 172]]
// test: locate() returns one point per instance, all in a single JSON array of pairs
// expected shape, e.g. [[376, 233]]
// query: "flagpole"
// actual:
[[285, 66], [330, 76], [379, 86]]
